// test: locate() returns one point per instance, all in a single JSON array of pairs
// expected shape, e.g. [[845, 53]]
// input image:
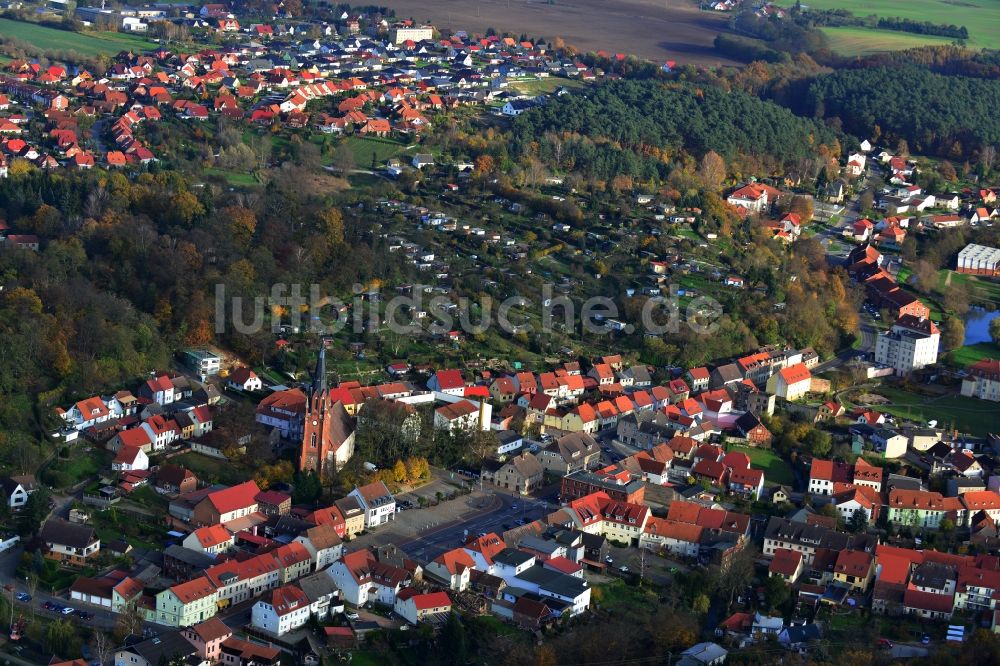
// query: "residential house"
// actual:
[[786, 564], [187, 603], [207, 638], [570, 453], [211, 540], [522, 473], [16, 490], [70, 543], [983, 380], [377, 502], [855, 569], [415, 607], [283, 610], [790, 383], [226, 505]]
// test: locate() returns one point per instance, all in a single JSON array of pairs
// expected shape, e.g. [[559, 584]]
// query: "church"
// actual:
[[327, 430]]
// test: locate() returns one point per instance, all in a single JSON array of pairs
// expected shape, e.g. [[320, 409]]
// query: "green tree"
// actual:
[[819, 443], [61, 638], [307, 488], [995, 330], [36, 510], [858, 521], [452, 642], [701, 604], [776, 591]]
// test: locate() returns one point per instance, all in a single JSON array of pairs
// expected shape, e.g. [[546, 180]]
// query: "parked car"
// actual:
[[609, 559], [352, 616], [23, 597], [925, 639], [885, 643], [48, 605]]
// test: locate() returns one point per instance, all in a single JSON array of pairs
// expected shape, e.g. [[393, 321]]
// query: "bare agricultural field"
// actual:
[[658, 30]]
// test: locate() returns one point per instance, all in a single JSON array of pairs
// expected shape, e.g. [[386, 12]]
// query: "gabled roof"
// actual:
[[233, 498], [785, 561], [212, 535], [193, 590]]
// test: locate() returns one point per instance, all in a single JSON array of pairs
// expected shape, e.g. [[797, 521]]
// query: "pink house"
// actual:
[[207, 637]]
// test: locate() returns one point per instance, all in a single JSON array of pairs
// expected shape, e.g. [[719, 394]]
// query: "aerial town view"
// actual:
[[499, 332]]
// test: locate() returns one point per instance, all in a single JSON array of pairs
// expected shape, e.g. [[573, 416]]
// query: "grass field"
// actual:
[[382, 148], [777, 471], [963, 357], [863, 41], [546, 85], [980, 17], [977, 417], [89, 44], [212, 470], [981, 290], [234, 178]]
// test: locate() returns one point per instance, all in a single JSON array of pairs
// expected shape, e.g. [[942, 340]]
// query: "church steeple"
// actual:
[[319, 388]]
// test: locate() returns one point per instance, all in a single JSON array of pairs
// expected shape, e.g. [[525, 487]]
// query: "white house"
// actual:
[[211, 540], [16, 489], [129, 459], [360, 578], [377, 502], [284, 610], [244, 379], [790, 383], [415, 607]]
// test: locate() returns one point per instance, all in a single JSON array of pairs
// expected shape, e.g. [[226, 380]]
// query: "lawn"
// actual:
[[83, 462], [981, 17], [865, 41], [86, 44], [364, 147], [963, 357], [776, 469], [545, 86], [234, 178], [617, 595], [212, 470], [970, 415], [981, 290]]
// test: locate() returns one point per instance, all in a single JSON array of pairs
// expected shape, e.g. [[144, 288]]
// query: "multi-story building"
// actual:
[[377, 502], [911, 344], [284, 609], [983, 380], [807, 539], [228, 504], [921, 508], [187, 603]]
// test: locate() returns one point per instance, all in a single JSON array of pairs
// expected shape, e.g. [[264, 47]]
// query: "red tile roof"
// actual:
[[236, 497]]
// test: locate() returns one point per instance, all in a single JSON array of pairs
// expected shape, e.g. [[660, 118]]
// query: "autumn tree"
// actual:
[[712, 170], [240, 224], [952, 333], [343, 159]]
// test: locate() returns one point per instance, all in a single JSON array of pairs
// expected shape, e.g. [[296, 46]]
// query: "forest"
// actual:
[[632, 128], [129, 273], [950, 116]]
